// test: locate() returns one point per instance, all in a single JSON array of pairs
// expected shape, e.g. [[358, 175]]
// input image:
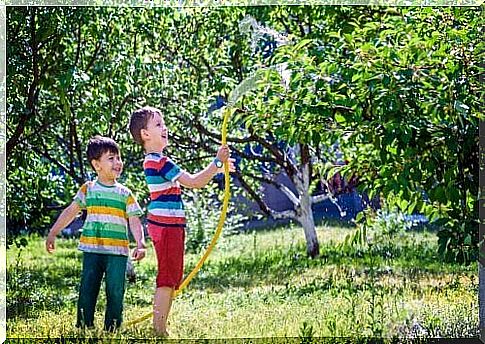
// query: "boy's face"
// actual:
[[109, 166], [156, 133]]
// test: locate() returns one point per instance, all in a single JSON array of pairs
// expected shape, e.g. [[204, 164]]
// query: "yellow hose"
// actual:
[[222, 218]]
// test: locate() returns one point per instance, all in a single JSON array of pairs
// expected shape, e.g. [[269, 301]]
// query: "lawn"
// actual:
[[262, 285]]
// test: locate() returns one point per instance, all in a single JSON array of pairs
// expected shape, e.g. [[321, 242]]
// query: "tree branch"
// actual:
[[33, 90], [288, 214], [117, 114], [280, 186], [259, 201], [287, 28], [288, 193], [78, 49], [305, 159], [77, 146], [283, 160], [319, 198], [253, 157], [95, 55], [218, 137], [56, 162]]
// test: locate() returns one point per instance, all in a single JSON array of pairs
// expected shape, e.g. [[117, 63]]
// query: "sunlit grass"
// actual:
[[262, 285]]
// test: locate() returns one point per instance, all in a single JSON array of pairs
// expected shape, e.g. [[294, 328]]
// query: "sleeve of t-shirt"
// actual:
[[170, 170], [132, 206], [80, 197]]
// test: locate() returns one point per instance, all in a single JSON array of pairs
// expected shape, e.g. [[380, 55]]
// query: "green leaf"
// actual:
[[403, 205], [340, 119], [359, 216], [412, 206], [302, 43]]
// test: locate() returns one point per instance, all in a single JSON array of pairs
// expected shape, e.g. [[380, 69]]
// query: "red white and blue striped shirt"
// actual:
[[166, 208]]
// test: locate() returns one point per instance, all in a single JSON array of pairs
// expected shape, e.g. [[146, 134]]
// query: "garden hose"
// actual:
[[227, 112]]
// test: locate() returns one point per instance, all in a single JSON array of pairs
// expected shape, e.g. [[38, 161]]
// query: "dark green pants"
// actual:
[[95, 266]]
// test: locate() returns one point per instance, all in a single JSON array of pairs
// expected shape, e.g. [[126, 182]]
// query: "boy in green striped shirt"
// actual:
[[104, 240]]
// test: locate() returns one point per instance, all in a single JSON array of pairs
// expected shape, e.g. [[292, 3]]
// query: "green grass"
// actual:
[[263, 285]]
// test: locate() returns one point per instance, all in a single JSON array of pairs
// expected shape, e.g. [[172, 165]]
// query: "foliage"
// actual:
[[404, 107], [414, 119], [387, 227], [203, 214], [59, 81], [306, 333]]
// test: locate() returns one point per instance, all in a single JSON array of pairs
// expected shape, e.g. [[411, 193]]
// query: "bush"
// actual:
[[203, 211], [386, 226]]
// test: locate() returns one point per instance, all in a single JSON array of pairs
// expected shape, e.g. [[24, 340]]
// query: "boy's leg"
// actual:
[[92, 274], [169, 248], [162, 302], [115, 291]]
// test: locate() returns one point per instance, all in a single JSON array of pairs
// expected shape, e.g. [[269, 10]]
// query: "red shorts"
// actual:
[[169, 246]]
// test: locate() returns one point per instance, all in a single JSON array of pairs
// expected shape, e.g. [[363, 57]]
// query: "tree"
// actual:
[[60, 93], [210, 71], [412, 134]]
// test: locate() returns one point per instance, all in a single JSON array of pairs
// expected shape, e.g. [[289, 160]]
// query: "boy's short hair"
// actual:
[[98, 145], [139, 120]]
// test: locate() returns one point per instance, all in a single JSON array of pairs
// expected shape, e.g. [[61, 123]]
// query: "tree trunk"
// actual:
[[304, 212], [305, 218]]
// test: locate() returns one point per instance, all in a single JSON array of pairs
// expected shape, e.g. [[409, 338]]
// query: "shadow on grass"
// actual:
[[42, 287], [53, 283], [32, 290], [279, 266], [35, 285]]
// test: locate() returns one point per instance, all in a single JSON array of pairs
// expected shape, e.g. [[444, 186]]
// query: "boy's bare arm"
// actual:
[[62, 221], [137, 230], [199, 180]]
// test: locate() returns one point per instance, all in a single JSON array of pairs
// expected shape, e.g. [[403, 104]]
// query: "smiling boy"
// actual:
[[104, 238]]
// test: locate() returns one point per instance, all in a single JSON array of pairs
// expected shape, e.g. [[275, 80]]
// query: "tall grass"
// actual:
[[263, 285]]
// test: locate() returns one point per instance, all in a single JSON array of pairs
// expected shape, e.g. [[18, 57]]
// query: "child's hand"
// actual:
[[138, 253], [223, 153], [50, 243], [231, 166]]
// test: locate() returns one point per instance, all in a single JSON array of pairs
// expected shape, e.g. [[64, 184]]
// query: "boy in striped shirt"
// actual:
[[166, 217], [104, 240]]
